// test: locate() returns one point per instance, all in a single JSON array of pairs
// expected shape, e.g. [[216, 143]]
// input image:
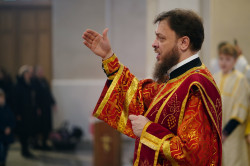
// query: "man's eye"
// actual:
[[161, 38]]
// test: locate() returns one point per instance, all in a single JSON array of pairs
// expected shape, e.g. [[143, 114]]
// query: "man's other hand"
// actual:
[[138, 123], [98, 44]]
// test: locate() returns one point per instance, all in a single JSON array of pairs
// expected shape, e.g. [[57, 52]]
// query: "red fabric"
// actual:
[[197, 141], [195, 132]]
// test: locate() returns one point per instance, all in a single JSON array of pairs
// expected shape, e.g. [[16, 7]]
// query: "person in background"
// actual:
[[24, 102], [46, 103], [7, 123], [234, 90], [6, 84], [214, 64]]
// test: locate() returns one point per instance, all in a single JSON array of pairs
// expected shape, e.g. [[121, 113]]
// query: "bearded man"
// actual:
[[175, 118]]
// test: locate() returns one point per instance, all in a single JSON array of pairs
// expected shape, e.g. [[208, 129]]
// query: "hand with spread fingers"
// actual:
[[138, 123], [97, 43]]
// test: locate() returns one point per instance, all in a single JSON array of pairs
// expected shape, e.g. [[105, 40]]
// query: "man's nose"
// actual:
[[155, 44]]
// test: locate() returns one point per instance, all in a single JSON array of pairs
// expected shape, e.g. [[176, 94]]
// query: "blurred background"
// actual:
[[48, 33]]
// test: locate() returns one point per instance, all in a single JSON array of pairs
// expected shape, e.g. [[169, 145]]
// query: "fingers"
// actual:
[[88, 37], [105, 34], [132, 117], [87, 44], [93, 33]]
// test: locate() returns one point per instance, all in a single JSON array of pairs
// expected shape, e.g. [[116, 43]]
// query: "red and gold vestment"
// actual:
[[184, 113]]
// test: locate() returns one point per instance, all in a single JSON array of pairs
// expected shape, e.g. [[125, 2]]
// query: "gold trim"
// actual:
[[186, 73], [167, 153], [129, 96], [110, 59], [136, 163], [243, 107], [212, 81], [150, 140], [183, 106], [237, 119], [208, 110], [107, 61], [163, 105], [223, 80], [185, 100], [110, 90], [159, 147], [156, 100]]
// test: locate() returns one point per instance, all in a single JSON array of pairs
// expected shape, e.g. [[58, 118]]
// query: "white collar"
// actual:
[[185, 61]]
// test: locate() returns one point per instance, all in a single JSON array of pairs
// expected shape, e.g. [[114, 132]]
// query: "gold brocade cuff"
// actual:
[[111, 66], [166, 152], [165, 149], [149, 139], [110, 59]]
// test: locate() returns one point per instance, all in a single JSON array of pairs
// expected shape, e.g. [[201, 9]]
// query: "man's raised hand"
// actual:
[[98, 44]]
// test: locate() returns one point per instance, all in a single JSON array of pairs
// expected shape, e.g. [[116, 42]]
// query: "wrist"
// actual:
[[109, 54]]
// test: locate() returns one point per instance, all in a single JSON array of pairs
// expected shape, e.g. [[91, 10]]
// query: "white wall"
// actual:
[[230, 20], [78, 76]]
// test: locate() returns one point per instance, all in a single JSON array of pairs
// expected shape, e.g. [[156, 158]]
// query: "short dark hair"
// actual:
[[229, 50], [185, 23], [221, 44]]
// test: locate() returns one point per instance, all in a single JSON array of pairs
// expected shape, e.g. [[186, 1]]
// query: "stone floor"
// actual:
[[82, 156]]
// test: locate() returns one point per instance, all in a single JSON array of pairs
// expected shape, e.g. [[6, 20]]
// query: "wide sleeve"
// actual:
[[122, 95], [196, 142], [241, 100]]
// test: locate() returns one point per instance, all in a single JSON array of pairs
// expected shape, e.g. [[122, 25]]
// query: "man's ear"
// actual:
[[184, 43]]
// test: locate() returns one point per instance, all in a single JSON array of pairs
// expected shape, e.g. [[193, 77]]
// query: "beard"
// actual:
[[168, 60]]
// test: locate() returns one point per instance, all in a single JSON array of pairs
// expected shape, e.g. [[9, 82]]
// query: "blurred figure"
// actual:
[[234, 91], [46, 104], [214, 64], [241, 63], [7, 123], [6, 85], [25, 108]]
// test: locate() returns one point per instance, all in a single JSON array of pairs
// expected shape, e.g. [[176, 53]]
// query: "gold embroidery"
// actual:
[[107, 61], [136, 163], [110, 90], [162, 106], [145, 163], [174, 106], [167, 152], [159, 147], [156, 100], [129, 96], [150, 140], [183, 106], [212, 81], [208, 109]]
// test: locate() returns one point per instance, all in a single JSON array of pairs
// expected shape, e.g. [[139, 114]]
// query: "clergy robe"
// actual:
[[234, 92], [184, 114]]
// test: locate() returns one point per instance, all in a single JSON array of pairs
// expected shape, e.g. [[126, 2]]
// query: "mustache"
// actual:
[[156, 51]]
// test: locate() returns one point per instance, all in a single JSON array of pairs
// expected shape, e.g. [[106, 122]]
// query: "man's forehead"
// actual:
[[161, 27]]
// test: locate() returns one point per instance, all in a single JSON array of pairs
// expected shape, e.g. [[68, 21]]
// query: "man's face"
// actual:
[[226, 63], [166, 49], [165, 40]]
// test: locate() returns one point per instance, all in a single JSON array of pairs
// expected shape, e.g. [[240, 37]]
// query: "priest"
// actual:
[[174, 118]]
